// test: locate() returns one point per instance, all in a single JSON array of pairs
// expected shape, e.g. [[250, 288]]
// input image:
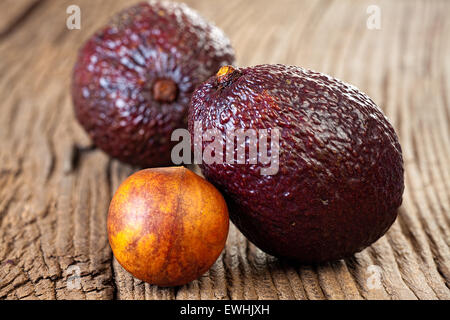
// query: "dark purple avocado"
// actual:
[[340, 179], [134, 78]]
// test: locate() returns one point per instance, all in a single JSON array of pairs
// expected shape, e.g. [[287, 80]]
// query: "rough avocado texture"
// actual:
[[134, 78], [340, 178]]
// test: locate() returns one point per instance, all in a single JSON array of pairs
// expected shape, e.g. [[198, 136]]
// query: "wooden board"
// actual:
[[55, 190]]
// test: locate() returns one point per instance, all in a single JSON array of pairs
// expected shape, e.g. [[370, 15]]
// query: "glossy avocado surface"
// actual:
[[134, 78], [340, 178]]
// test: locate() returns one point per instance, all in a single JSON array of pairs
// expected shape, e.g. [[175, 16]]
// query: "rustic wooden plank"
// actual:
[[55, 189]]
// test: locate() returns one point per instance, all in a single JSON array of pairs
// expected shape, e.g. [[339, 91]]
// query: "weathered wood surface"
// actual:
[[55, 191]]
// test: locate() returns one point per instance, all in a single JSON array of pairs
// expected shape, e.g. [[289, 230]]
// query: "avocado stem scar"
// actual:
[[226, 75], [165, 90]]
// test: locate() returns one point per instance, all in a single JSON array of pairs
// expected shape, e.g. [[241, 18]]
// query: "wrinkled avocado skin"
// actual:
[[117, 68], [340, 179]]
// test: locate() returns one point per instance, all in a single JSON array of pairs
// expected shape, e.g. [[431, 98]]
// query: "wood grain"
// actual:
[[55, 188]]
